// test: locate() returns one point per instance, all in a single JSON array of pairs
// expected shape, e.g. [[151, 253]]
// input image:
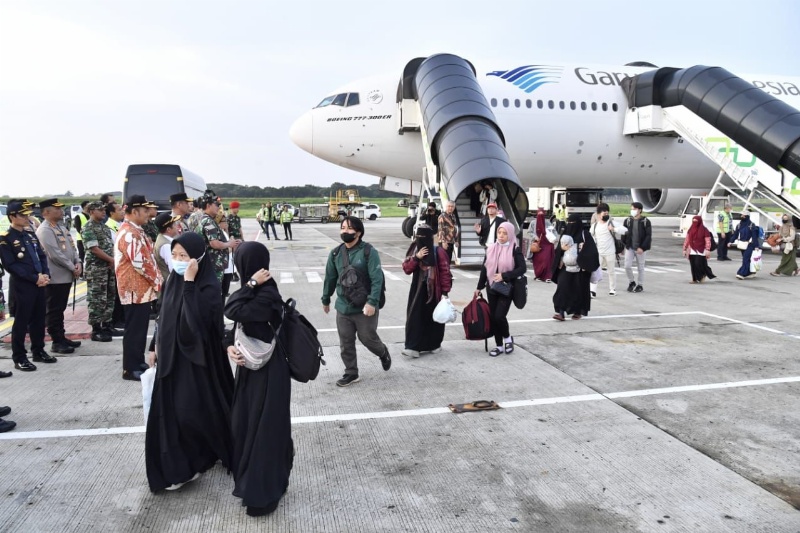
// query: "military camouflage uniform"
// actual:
[[194, 220], [101, 282], [235, 226], [211, 231], [151, 230]]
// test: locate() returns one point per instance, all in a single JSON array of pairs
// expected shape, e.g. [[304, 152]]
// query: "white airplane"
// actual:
[[562, 126]]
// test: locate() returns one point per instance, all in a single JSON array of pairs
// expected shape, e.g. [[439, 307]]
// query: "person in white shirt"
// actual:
[[604, 233]]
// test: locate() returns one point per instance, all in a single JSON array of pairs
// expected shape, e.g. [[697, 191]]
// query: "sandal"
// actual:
[[576, 317], [559, 317], [495, 352], [478, 405], [509, 346]]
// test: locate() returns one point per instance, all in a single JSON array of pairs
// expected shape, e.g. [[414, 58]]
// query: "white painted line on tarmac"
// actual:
[[286, 277], [391, 276], [468, 275], [431, 410], [312, 277], [672, 269]]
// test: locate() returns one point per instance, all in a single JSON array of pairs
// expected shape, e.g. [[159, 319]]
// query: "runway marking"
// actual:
[[286, 277], [468, 275], [390, 275], [311, 277], [431, 410], [77, 292]]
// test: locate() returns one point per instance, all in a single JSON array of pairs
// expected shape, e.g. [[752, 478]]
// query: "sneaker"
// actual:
[[410, 353], [348, 379], [435, 350], [594, 294], [386, 361], [638, 288], [612, 293], [739, 277], [631, 286]]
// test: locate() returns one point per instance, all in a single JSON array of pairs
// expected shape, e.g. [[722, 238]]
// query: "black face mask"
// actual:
[[348, 237], [786, 220], [605, 218]]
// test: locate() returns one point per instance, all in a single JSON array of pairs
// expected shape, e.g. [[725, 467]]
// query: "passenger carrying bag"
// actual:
[[476, 319], [302, 349], [355, 283]]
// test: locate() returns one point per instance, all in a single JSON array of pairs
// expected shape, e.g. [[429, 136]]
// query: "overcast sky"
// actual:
[[88, 87]]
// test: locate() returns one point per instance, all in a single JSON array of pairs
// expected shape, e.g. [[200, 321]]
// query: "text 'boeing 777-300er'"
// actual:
[[441, 125]]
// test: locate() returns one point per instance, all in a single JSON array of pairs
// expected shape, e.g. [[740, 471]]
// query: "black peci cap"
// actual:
[[50, 202]]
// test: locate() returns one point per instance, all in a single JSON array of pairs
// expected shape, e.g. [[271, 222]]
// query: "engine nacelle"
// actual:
[[664, 201]]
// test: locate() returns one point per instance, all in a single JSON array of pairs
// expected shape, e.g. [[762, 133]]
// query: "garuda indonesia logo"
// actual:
[[529, 77]]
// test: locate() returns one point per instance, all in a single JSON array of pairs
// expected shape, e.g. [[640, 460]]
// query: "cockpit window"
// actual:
[[352, 99], [341, 99], [326, 101]]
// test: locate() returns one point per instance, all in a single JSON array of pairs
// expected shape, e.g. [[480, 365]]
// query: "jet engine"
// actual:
[[664, 201]]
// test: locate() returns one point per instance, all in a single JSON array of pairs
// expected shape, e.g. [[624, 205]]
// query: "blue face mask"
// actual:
[[180, 266]]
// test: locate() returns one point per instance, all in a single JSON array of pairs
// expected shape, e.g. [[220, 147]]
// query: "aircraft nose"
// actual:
[[302, 132]]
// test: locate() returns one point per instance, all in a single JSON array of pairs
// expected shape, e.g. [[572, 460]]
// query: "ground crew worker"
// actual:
[[286, 220], [724, 229], [560, 212], [26, 262], [101, 283], [65, 268], [78, 223]]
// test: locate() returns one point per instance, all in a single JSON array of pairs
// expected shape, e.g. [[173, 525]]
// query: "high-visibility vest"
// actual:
[[84, 219]]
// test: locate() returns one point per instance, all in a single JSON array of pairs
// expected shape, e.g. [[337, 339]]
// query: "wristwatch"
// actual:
[[252, 283]]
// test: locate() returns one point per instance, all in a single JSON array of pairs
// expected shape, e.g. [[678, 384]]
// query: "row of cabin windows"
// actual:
[[551, 104]]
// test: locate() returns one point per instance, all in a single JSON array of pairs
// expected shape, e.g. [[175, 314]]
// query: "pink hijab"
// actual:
[[500, 258]]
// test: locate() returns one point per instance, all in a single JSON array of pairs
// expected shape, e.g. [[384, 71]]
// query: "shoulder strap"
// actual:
[[367, 248], [345, 255]]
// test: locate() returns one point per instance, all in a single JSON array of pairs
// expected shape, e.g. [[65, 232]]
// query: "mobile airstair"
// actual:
[[440, 98], [752, 136]]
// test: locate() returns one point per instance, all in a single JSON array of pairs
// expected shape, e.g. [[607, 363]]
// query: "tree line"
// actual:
[[234, 190]]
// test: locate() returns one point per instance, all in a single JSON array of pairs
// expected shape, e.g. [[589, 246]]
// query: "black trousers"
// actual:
[[287, 230], [270, 224], [226, 284], [81, 250], [134, 341], [118, 315], [498, 310], [28, 319], [722, 245], [56, 301], [450, 250]]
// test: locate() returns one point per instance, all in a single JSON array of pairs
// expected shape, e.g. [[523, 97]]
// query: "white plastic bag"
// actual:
[[148, 382], [755, 260], [551, 234], [445, 311], [597, 276]]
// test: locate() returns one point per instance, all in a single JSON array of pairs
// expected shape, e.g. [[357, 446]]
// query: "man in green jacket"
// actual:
[[354, 319]]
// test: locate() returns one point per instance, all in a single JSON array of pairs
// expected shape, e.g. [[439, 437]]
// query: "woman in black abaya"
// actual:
[[429, 267], [573, 294], [263, 450], [189, 420]]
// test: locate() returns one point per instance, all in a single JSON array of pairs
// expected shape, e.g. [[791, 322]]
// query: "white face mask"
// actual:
[[634, 212]]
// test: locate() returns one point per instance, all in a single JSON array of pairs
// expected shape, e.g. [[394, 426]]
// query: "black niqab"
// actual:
[[424, 239]]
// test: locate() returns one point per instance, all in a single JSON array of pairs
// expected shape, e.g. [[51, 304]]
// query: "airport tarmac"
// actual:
[[675, 409]]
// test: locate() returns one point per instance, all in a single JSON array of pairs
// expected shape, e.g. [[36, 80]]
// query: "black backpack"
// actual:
[[354, 282], [302, 349]]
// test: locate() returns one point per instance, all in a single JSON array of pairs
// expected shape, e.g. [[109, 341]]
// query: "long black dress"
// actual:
[[263, 450], [188, 427], [428, 283], [573, 294]]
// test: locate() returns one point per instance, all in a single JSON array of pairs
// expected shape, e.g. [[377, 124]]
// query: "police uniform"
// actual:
[[101, 282], [174, 199], [63, 261], [25, 261]]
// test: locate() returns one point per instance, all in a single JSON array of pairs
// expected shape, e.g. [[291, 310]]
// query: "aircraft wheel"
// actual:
[[408, 227]]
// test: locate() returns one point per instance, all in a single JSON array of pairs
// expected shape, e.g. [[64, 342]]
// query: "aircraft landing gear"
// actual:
[[408, 226]]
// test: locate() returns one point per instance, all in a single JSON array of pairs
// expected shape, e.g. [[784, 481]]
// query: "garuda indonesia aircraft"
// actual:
[[664, 132]]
